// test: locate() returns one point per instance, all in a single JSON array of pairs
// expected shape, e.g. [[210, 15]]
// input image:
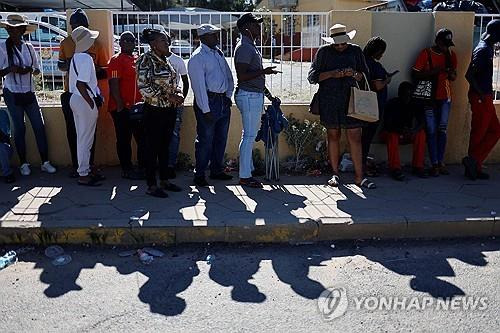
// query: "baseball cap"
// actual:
[[446, 36], [206, 29], [248, 18], [492, 30]]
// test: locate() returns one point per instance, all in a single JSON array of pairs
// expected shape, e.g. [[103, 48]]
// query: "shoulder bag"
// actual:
[[425, 90]]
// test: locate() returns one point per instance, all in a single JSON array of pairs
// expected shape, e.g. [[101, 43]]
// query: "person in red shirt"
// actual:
[[438, 64], [123, 95]]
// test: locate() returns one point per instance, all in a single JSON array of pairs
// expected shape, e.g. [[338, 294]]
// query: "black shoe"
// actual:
[[73, 174], [420, 172], [9, 179], [200, 181], [171, 173], [483, 175], [470, 167], [221, 176], [167, 186], [397, 174]]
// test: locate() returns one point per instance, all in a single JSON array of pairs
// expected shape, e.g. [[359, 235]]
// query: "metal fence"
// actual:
[[288, 40]]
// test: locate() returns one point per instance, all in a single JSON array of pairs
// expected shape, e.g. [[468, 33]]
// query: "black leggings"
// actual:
[[368, 133], [158, 127]]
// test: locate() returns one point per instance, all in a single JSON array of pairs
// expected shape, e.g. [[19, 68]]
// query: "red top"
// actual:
[[443, 90], [122, 66]]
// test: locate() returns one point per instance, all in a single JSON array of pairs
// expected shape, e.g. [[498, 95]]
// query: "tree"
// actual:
[[223, 5]]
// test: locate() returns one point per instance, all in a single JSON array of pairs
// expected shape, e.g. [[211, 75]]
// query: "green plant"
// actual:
[[184, 162], [303, 136]]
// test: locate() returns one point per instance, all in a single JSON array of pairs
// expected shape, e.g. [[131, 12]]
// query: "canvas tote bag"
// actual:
[[363, 104]]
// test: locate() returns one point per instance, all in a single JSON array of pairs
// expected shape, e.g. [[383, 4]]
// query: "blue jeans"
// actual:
[[211, 137], [34, 114], [5, 155], [437, 124], [251, 105], [173, 149]]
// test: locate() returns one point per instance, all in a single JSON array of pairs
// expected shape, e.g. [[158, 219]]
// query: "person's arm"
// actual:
[[197, 77], [82, 88], [452, 71], [477, 65], [63, 62], [36, 64], [421, 70], [242, 60], [84, 65], [101, 62], [185, 85], [114, 73]]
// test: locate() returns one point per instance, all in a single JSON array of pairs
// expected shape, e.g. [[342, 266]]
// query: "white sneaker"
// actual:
[[25, 169], [47, 167]]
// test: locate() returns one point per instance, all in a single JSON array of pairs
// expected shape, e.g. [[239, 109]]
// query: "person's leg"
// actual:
[[487, 136], [19, 131], [354, 139], [393, 160], [430, 117], [333, 136], [204, 142], [85, 123], [123, 133], [5, 155], [251, 106], [419, 150], [367, 135], [221, 130], [151, 143], [138, 132], [165, 128], [35, 116], [444, 113], [70, 127], [175, 140]]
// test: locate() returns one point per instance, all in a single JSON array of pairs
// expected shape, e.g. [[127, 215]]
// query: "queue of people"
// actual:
[[147, 95]]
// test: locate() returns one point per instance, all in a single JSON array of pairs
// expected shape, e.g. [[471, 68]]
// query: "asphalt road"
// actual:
[[417, 286]]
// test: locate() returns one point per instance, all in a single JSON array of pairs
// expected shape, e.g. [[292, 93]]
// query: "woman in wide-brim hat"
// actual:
[[336, 68], [18, 64]]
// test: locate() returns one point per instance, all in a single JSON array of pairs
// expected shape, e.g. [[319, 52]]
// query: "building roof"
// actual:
[[68, 4]]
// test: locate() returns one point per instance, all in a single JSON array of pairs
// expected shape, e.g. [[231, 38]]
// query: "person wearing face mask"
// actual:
[[213, 85], [18, 65], [250, 92], [157, 83]]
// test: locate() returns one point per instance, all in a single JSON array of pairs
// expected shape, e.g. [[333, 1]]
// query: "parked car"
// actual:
[[181, 47]]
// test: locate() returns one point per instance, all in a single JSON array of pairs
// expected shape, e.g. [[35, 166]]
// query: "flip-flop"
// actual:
[[367, 184], [334, 181]]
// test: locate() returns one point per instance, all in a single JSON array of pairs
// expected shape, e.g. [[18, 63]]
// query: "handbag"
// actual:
[[26, 98], [314, 106], [363, 104], [136, 112], [425, 90]]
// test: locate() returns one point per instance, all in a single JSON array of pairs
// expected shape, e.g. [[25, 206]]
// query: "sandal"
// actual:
[[334, 181], [157, 193], [250, 182], [367, 184], [170, 187], [90, 182], [398, 175]]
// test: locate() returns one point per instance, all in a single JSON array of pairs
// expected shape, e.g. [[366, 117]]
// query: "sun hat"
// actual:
[[83, 38], [16, 20], [339, 35]]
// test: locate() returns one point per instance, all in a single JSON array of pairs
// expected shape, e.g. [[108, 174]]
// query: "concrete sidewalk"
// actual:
[[53, 209]]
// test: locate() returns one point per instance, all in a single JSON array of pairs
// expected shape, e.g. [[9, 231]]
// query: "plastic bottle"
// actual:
[[8, 259]]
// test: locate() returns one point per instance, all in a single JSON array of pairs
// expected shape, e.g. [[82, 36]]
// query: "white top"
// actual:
[[178, 65], [27, 57], [86, 73]]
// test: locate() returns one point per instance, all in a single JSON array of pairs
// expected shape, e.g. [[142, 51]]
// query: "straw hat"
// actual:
[[83, 38], [339, 35], [16, 20]]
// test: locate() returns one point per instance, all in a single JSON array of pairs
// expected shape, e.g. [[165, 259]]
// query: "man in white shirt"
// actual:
[[182, 76], [213, 86]]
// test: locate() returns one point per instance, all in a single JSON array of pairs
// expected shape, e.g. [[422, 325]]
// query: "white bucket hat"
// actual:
[[83, 38], [339, 35], [16, 20]]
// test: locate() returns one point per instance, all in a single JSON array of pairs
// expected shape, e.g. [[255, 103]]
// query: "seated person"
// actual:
[[404, 123], [5, 148]]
